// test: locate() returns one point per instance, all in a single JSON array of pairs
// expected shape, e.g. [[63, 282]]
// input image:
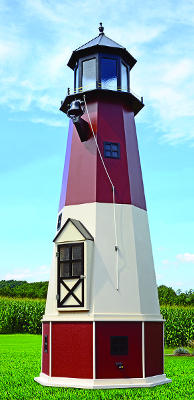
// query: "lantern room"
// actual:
[[101, 64]]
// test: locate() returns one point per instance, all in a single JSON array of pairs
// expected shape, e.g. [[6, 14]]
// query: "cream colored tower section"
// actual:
[[136, 297]]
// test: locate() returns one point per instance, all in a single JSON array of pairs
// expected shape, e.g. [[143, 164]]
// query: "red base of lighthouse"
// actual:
[[82, 350]]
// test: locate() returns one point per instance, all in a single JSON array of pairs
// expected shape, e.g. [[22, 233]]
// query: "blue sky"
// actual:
[[36, 41]]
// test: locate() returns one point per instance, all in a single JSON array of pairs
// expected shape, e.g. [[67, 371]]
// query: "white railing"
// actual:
[[85, 88]]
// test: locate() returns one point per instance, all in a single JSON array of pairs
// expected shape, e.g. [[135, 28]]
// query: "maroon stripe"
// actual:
[[81, 186], [133, 160]]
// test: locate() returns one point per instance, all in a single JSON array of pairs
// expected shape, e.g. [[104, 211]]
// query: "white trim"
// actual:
[[50, 349], [143, 350], [60, 309], [85, 316], [45, 380], [94, 350]]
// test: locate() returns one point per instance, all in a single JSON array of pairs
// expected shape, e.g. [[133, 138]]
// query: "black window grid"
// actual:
[[98, 56], [70, 261], [111, 150]]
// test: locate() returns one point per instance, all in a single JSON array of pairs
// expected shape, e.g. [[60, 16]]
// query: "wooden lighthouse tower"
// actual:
[[102, 326]]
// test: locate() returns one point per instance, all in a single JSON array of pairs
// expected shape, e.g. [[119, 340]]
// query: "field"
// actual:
[[20, 358], [24, 316]]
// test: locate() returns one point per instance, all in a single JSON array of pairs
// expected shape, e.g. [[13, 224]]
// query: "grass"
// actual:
[[20, 358], [170, 350]]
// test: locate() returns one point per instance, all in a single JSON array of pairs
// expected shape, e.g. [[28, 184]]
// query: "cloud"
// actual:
[[41, 36], [186, 257], [18, 275], [38, 274], [165, 262], [49, 122]]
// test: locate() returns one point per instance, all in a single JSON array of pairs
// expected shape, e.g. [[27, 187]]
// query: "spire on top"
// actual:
[[101, 29]]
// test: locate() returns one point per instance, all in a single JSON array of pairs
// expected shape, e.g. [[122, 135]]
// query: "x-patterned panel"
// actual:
[[71, 292]]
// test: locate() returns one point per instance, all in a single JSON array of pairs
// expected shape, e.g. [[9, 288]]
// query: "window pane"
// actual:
[[76, 252], [64, 253], [76, 78], [124, 73], [59, 221], [77, 268], [64, 270], [108, 74], [89, 74], [111, 150]]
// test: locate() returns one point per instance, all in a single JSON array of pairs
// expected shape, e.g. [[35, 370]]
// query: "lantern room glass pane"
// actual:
[[89, 74], [108, 73], [124, 78], [76, 78]]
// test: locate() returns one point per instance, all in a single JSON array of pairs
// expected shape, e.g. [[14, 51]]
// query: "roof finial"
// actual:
[[101, 29]]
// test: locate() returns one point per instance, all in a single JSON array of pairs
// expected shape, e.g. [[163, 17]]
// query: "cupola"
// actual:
[[102, 65]]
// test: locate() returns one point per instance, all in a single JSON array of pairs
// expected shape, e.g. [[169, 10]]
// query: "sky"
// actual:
[[36, 41]]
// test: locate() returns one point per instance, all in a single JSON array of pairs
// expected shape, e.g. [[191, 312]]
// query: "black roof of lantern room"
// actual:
[[101, 43]]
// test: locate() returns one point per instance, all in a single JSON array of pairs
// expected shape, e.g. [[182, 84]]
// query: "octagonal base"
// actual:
[[151, 381]]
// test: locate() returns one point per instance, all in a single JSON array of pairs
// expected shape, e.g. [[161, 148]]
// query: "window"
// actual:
[[119, 345], [45, 343], [70, 287], [108, 73], [59, 221], [111, 150], [76, 78], [71, 260], [124, 78], [89, 74]]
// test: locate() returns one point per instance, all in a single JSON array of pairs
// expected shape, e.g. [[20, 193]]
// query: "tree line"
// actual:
[[38, 290], [23, 289]]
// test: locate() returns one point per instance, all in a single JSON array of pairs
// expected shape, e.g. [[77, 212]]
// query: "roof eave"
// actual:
[[90, 50]]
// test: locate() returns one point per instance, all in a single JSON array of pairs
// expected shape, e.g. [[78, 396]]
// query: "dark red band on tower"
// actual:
[[106, 362], [133, 161], [87, 179], [72, 349], [45, 351], [154, 348]]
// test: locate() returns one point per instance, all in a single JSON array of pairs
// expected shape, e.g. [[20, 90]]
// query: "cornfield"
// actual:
[[21, 315], [178, 328], [24, 316]]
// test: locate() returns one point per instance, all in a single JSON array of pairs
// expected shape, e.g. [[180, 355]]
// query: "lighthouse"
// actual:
[[102, 326]]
